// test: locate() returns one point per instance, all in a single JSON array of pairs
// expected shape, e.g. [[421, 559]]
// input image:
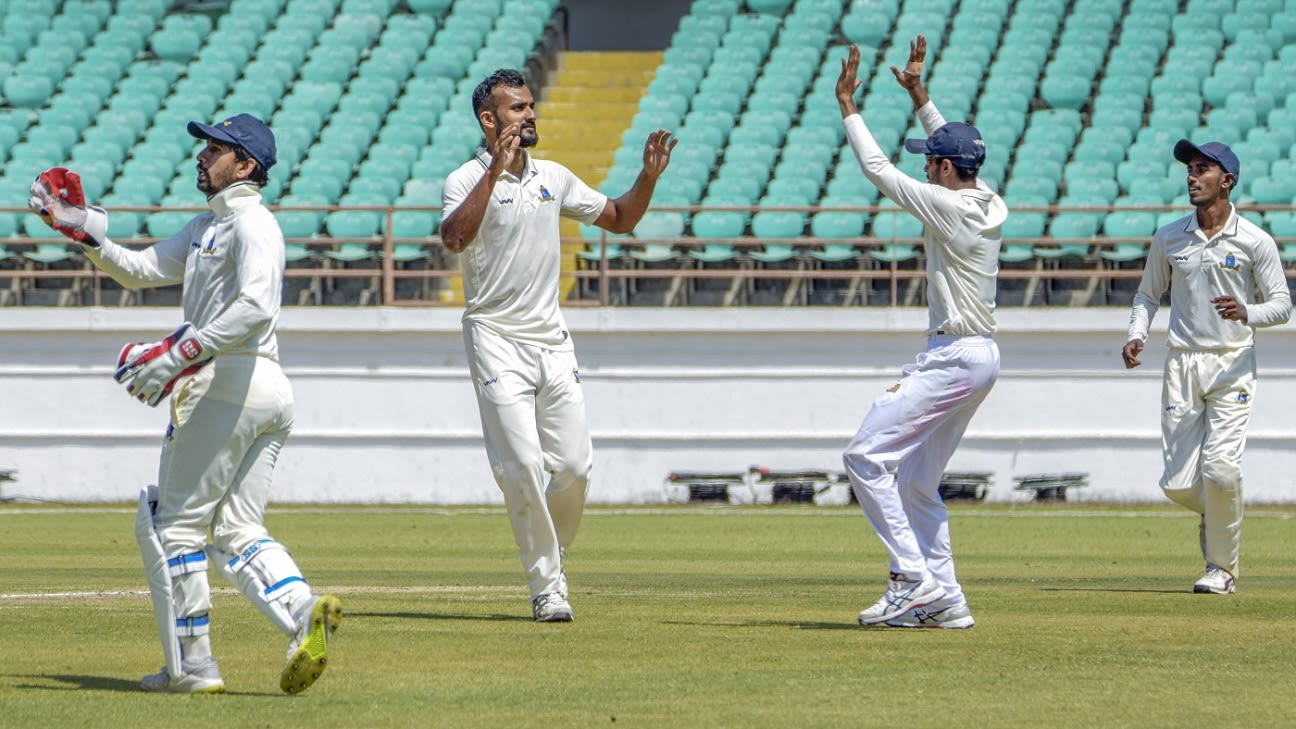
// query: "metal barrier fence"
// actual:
[[613, 271]]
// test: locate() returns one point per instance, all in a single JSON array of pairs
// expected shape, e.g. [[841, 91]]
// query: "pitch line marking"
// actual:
[[502, 590], [992, 510]]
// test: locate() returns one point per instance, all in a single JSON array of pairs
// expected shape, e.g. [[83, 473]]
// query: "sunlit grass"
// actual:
[[685, 617]]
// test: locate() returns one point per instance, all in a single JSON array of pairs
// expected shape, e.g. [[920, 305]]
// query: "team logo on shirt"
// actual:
[[545, 195], [576, 375], [208, 246], [1244, 397], [1230, 262]]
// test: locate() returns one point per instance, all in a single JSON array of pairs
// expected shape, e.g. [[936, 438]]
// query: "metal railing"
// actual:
[[614, 279]]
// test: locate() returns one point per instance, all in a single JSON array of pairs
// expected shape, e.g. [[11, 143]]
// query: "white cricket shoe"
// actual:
[[308, 650], [200, 677], [902, 596], [1215, 580], [551, 607], [935, 615]]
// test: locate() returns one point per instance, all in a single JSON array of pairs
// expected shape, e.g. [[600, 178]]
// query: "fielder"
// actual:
[[231, 407], [501, 214], [1225, 279], [896, 460]]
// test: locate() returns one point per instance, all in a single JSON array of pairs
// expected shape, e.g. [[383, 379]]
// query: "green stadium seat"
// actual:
[[837, 224], [660, 225], [352, 225], [863, 28], [435, 8], [1041, 186], [771, 7], [595, 248], [1022, 229], [713, 253], [1129, 224], [1065, 91], [48, 253], [28, 91], [1050, 134], [1229, 77], [1122, 84]]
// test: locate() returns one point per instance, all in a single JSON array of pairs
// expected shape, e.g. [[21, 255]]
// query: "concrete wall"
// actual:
[[385, 412]]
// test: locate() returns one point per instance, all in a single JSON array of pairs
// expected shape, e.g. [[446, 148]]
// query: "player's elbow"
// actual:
[[453, 238], [614, 220]]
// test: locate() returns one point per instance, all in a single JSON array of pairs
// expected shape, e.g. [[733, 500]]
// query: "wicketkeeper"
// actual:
[[231, 407]]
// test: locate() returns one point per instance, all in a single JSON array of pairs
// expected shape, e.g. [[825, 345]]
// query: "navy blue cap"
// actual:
[[243, 130], [1217, 152], [957, 142]]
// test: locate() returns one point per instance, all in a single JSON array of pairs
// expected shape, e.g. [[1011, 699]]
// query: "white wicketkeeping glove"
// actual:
[[151, 371], [57, 197]]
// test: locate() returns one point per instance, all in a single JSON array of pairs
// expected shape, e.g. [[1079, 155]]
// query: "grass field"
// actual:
[[685, 617]]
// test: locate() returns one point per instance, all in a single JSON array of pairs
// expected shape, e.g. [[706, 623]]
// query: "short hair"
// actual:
[[481, 97], [965, 174], [258, 176]]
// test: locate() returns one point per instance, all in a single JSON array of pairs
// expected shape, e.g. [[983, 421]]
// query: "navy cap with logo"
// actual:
[[243, 130], [957, 142], [1217, 152]]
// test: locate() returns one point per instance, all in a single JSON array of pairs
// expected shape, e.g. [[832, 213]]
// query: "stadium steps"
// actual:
[[588, 102]]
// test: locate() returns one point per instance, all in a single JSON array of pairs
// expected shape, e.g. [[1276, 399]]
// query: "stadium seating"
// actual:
[[1079, 102]]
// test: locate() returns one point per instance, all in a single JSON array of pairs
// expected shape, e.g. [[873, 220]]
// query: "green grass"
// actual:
[[685, 617]]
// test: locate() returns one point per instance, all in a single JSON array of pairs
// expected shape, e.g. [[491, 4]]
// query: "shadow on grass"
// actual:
[[403, 615], [799, 625], [1162, 591], [86, 683], [104, 683]]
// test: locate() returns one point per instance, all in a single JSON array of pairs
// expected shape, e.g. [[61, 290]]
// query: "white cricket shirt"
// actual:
[[231, 261], [961, 233], [510, 270], [1240, 261]]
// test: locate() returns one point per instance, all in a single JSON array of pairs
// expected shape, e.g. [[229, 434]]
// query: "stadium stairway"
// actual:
[[586, 104]]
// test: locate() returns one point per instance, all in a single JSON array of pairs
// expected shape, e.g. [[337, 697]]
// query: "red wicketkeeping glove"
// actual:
[[57, 197]]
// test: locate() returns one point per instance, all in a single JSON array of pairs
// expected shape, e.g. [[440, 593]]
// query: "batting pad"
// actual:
[[159, 578], [268, 577]]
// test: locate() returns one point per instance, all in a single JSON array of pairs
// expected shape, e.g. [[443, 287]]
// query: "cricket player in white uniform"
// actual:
[[896, 460], [502, 210], [231, 407], [1225, 279]]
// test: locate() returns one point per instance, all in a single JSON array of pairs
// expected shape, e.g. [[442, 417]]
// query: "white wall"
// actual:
[[385, 412]]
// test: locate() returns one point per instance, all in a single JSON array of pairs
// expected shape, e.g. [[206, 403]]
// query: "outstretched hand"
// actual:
[[657, 152], [849, 81], [911, 75]]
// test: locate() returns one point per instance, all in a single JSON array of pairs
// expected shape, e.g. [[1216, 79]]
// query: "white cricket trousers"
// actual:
[[538, 442], [228, 424], [1205, 406], [898, 457]]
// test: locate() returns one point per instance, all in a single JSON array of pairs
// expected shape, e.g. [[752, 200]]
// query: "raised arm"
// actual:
[[624, 213], [910, 77]]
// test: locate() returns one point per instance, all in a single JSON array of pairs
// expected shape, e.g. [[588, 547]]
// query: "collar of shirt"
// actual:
[[1230, 226], [236, 196], [528, 165]]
